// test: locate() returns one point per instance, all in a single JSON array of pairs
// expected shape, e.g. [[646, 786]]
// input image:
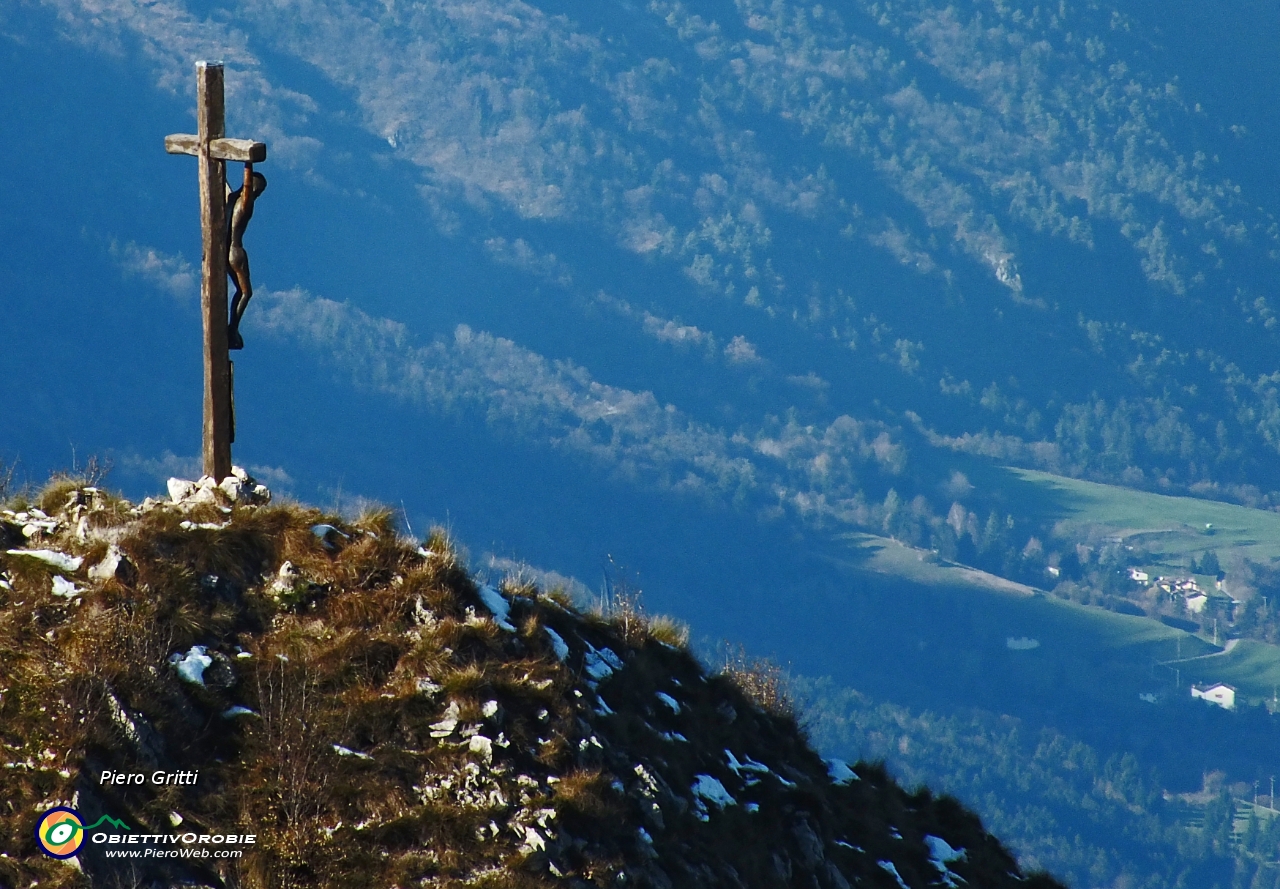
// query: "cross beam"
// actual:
[[214, 150]]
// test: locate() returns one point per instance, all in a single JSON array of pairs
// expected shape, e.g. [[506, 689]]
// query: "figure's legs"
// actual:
[[234, 340], [244, 293]]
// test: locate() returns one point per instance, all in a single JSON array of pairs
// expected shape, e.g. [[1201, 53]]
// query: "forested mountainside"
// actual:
[[1097, 818], [790, 258]]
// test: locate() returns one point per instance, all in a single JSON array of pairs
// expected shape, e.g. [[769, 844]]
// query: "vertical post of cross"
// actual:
[[213, 150], [211, 124]]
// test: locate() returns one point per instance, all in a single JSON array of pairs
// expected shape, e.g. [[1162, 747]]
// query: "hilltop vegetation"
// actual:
[[377, 717]]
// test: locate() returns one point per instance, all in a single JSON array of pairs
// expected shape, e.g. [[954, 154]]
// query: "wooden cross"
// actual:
[[214, 150]]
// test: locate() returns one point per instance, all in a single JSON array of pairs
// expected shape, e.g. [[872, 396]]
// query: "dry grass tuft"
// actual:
[[762, 680], [669, 631]]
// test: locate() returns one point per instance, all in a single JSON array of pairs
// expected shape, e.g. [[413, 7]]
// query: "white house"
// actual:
[[1196, 601], [1219, 693], [1139, 576]]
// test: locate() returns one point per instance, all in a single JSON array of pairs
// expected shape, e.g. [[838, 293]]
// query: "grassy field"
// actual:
[[1171, 528], [1090, 649], [1252, 667]]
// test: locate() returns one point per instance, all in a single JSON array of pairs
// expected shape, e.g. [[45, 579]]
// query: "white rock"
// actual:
[[65, 588], [109, 567], [481, 745], [285, 578], [204, 495], [533, 841], [231, 487], [180, 489], [600, 663], [445, 727]]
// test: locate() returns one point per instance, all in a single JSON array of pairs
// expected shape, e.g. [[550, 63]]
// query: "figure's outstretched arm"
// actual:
[[246, 193]]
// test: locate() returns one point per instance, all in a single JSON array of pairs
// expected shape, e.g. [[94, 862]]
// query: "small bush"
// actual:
[[669, 631], [762, 680]]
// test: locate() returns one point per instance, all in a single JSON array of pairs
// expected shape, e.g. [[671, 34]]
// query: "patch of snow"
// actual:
[[494, 601], [65, 588], [940, 855], [237, 710], [191, 666], [892, 871], [840, 772], [603, 708], [669, 701], [175, 819], [202, 526], [749, 766], [708, 788], [489, 710], [644, 836], [347, 751], [328, 535], [558, 644], [942, 852], [674, 736], [751, 807], [61, 561]]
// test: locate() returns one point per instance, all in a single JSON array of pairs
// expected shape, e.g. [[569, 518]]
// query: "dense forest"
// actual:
[[1092, 818]]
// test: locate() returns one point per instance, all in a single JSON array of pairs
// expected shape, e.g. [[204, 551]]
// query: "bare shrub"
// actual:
[[763, 680]]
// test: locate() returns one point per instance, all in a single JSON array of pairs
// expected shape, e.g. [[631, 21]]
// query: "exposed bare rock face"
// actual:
[[321, 702]]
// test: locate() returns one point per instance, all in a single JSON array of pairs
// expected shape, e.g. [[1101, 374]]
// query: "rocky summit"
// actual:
[[217, 690]]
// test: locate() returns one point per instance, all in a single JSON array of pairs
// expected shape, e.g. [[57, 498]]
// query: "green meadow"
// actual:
[[1171, 528], [1082, 650]]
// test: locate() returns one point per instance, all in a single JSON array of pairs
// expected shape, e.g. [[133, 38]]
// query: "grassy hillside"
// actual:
[[371, 715], [1172, 528]]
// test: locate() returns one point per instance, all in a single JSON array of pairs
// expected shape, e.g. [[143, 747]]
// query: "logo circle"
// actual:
[[60, 833]]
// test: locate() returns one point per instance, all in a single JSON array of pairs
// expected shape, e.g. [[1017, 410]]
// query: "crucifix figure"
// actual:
[[213, 150], [239, 212]]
